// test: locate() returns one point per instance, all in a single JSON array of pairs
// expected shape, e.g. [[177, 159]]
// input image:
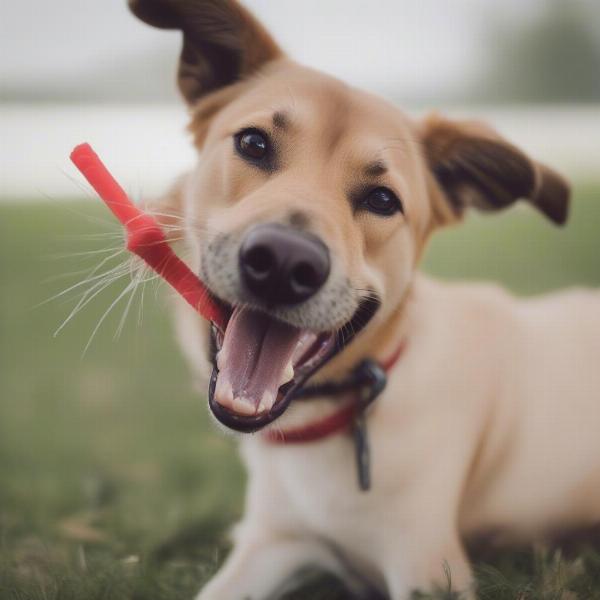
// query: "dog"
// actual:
[[306, 216]]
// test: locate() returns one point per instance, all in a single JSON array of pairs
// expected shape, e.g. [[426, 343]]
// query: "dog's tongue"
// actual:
[[254, 360]]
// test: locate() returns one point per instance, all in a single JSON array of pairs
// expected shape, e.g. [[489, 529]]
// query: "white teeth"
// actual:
[[266, 402], [224, 393], [243, 406], [288, 373], [270, 400], [304, 342], [224, 396]]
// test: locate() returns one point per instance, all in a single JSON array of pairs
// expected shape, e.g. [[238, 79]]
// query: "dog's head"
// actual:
[[312, 201]]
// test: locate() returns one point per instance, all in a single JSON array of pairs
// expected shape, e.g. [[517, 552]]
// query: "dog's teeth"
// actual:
[[266, 402], [288, 373], [243, 406], [224, 393], [304, 342]]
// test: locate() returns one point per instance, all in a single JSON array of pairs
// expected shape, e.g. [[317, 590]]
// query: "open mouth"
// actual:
[[261, 363]]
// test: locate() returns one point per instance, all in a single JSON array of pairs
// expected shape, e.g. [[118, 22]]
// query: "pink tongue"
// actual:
[[254, 354]]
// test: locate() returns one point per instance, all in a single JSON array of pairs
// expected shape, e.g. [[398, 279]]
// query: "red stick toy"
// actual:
[[145, 236]]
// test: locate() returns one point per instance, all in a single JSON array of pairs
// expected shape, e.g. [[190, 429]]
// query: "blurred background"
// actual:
[[111, 475], [76, 70]]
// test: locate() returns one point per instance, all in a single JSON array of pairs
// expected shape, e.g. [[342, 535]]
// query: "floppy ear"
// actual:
[[222, 41], [474, 166]]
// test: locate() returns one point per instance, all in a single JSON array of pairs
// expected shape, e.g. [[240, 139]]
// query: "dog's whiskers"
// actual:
[[128, 288], [104, 281], [89, 278], [137, 279], [63, 255]]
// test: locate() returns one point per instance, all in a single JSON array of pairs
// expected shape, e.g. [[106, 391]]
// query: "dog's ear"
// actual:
[[222, 41], [474, 166]]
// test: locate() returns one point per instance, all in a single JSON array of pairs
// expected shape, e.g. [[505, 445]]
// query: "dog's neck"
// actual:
[[379, 340]]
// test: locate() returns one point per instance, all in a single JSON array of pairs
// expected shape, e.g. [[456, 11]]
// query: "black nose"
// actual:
[[281, 265]]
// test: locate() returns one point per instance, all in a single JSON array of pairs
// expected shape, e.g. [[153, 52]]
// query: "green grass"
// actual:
[[113, 483]]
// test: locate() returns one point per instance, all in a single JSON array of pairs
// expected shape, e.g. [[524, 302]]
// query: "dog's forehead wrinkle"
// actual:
[[281, 119], [375, 168], [324, 105]]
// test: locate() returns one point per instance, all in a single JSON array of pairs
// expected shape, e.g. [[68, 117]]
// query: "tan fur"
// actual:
[[489, 421]]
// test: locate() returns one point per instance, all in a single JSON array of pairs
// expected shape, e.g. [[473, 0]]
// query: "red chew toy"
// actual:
[[145, 236]]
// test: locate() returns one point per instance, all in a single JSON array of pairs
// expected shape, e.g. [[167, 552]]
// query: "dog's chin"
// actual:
[[261, 363]]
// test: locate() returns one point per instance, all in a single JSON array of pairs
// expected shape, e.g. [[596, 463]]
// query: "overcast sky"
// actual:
[[417, 45], [87, 51]]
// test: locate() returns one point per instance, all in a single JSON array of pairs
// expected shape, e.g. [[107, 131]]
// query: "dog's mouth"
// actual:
[[260, 363]]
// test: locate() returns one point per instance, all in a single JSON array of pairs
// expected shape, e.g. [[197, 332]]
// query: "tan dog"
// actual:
[[306, 216]]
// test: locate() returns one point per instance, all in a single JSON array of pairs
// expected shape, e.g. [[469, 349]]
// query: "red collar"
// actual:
[[336, 422]]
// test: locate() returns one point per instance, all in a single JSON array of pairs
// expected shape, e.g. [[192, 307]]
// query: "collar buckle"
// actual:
[[371, 380]]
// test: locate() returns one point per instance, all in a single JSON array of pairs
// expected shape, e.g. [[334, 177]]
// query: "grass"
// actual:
[[113, 483]]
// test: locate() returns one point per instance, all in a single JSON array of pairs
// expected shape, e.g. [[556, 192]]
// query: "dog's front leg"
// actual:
[[426, 565], [261, 566]]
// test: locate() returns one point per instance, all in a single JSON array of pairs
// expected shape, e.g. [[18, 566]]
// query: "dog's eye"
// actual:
[[382, 201], [252, 144]]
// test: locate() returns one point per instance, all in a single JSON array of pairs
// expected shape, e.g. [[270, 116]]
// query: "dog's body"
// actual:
[[488, 425], [490, 419]]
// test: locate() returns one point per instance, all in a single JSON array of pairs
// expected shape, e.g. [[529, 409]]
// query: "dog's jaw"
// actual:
[[238, 410]]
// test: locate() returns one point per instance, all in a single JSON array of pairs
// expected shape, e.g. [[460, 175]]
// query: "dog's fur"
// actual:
[[490, 421]]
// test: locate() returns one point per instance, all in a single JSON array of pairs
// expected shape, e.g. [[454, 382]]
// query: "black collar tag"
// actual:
[[371, 381]]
